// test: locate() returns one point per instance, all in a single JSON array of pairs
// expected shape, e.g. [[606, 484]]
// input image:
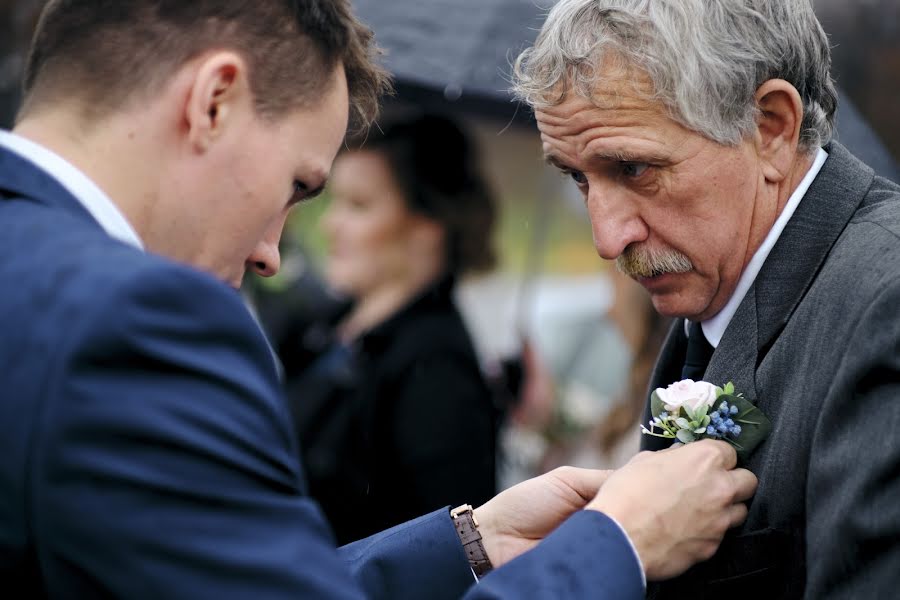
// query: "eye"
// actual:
[[301, 192], [578, 177], [633, 170]]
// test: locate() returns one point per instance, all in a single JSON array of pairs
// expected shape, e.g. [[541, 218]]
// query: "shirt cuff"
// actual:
[[633, 550]]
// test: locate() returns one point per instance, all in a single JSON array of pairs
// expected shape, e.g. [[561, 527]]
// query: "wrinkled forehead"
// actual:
[[610, 81], [612, 84], [617, 90]]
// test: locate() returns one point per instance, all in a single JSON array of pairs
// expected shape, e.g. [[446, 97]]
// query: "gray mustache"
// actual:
[[640, 261]]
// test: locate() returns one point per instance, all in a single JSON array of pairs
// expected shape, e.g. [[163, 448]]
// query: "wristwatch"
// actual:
[[467, 527]]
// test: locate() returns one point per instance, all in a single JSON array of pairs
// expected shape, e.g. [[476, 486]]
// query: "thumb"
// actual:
[[584, 482]]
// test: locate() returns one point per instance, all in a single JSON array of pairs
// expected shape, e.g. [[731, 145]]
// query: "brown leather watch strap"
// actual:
[[467, 527]]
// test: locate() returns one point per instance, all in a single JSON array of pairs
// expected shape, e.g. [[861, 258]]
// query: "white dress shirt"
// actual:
[[97, 203], [714, 328]]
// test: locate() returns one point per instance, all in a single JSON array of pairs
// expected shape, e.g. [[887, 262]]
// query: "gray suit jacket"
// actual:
[[817, 342]]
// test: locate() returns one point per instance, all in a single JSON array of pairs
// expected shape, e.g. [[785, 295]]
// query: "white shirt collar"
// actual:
[[94, 200], [714, 328]]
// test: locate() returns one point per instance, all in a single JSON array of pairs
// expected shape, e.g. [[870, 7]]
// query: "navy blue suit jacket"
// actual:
[[146, 451]]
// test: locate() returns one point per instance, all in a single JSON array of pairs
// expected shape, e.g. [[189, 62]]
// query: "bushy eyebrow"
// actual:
[[553, 161], [621, 156]]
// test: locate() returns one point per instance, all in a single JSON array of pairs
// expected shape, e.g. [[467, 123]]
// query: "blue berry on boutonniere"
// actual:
[[689, 410]]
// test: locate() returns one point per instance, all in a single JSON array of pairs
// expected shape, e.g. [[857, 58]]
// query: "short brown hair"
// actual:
[[106, 53]]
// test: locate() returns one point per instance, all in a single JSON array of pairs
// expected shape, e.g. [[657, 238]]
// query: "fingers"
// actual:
[[744, 483], [724, 453], [695, 490], [737, 513], [674, 446], [585, 482]]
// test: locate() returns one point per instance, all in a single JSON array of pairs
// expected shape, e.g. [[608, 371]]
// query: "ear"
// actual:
[[220, 88], [778, 127]]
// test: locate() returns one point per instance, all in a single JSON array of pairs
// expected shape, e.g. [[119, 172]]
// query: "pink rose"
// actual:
[[695, 395]]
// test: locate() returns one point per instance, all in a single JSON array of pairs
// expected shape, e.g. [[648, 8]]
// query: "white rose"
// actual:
[[695, 395]]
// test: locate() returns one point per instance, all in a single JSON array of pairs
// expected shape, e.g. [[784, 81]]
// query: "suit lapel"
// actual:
[[807, 239], [734, 360], [790, 269], [735, 357], [666, 371], [20, 178], [787, 274]]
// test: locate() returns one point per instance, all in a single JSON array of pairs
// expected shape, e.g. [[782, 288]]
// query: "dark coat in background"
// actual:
[[398, 424]]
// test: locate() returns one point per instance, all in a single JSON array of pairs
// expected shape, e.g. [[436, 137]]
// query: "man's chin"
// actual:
[[671, 301], [662, 284]]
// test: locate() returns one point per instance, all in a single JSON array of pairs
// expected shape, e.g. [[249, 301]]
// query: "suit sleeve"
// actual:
[[853, 516], [422, 558], [588, 557], [165, 466]]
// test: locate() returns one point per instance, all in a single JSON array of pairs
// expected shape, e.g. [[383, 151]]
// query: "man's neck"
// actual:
[[714, 327], [121, 172], [768, 213]]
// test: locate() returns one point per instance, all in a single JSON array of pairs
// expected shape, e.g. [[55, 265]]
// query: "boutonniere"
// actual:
[[688, 411]]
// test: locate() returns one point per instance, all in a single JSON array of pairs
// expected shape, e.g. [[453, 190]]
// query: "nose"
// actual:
[[265, 260], [616, 221]]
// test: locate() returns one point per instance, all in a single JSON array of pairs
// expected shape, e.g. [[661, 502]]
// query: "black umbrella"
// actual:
[[455, 52]]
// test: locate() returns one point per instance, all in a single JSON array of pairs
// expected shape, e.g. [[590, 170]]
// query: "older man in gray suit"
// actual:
[[699, 132]]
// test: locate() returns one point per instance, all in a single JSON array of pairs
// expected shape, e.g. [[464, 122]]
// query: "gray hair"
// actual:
[[705, 59]]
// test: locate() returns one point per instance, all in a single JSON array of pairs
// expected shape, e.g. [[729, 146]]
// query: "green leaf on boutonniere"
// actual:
[[685, 437], [755, 426], [656, 405], [721, 413]]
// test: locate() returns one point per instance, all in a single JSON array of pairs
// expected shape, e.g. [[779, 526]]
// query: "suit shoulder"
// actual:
[[64, 265], [73, 285], [881, 207], [78, 270], [177, 308]]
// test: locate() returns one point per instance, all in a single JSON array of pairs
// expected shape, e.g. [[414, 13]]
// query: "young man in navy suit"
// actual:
[[146, 447]]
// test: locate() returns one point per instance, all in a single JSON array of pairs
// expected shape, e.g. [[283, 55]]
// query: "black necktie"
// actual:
[[699, 351]]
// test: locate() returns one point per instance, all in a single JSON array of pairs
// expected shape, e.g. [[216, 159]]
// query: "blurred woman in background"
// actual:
[[568, 418], [616, 438], [395, 418]]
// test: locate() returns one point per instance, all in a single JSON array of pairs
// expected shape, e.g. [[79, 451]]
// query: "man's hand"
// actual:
[[516, 519], [676, 505]]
